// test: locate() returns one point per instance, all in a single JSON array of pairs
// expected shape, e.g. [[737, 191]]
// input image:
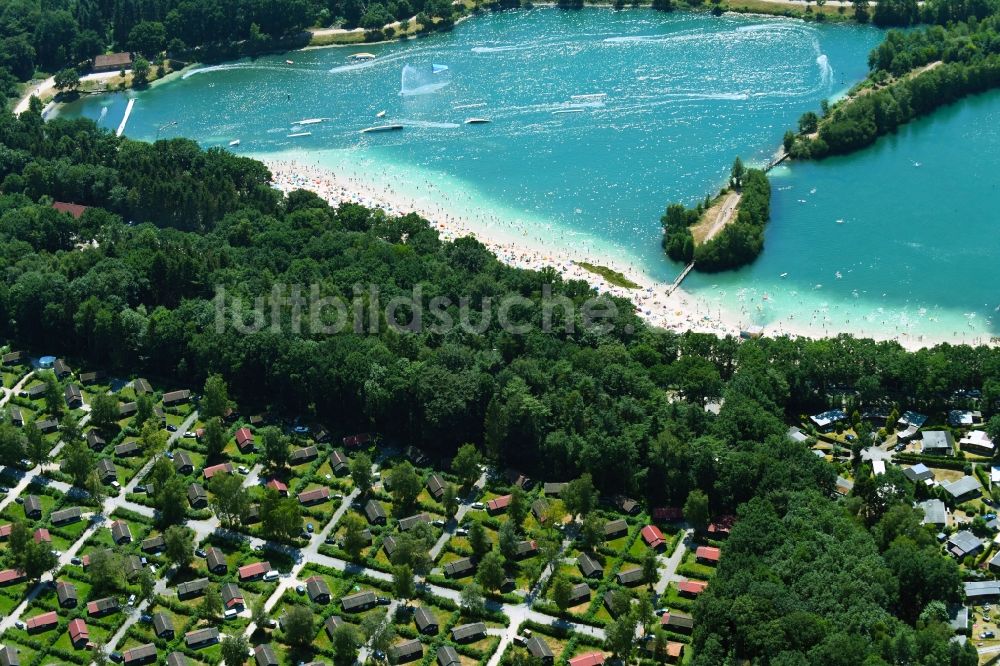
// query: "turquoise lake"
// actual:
[[680, 96]]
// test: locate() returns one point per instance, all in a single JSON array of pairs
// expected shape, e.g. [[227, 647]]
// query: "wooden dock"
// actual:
[[680, 278], [128, 112]]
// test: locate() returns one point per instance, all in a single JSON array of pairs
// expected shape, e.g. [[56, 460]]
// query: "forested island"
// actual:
[[129, 286], [912, 74], [739, 242]]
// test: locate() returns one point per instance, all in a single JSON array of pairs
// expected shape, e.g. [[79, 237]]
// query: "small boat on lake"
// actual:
[[310, 121], [234, 142], [289, 62], [362, 56], [589, 96], [380, 114], [477, 121], [298, 134], [567, 111], [381, 128]]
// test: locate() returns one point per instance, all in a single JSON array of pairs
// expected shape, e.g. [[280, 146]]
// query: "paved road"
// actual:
[[668, 567]]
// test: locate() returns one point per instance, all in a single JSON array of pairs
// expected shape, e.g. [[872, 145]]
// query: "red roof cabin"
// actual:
[[76, 210], [275, 484], [691, 588], [79, 635], [498, 504], [721, 526], [668, 514], [653, 537], [589, 659], [42, 534], [355, 441], [224, 468], [244, 440], [42, 622], [707, 554], [11, 576], [254, 571]]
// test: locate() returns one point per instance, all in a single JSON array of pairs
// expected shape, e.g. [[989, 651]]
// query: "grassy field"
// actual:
[[612, 276]]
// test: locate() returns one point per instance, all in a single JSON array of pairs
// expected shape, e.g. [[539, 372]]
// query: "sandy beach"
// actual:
[[518, 244]]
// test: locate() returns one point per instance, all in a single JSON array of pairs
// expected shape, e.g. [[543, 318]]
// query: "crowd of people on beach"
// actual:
[[532, 246]]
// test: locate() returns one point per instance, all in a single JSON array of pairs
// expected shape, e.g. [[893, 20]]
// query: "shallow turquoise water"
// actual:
[[685, 93]]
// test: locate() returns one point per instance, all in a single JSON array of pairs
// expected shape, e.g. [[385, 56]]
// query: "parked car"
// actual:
[[461, 531], [140, 488], [301, 589], [330, 541], [76, 560], [169, 455], [172, 428], [242, 469], [384, 601], [116, 657], [189, 434], [309, 528], [145, 618], [437, 523], [201, 553], [479, 506], [131, 600]]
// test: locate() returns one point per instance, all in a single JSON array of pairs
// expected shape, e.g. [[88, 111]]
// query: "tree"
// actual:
[[478, 540], [592, 532], [12, 443], [106, 572], [491, 574], [737, 173], [466, 464], [214, 438], [361, 473], [211, 603], [215, 398], [36, 449], [170, 499], [230, 500], [235, 649], [808, 122], [508, 540], [381, 633], [277, 447], [104, 413], [450, 499], [37, 559], [402, 583], [148, 38], [153, 439], [650, 569], [788, 141], [354, 540], [298, 626], [620, 635], [258, 613], [147, 585], [579, 496], [562, 591], [280, 516], [696, 511], [518, 508], [67, 79], [69, 428], [345, 644], [405, 485], [472, 602], [143, 409], [95, 488], [78, 462], [179, 545], [644, 612], [53, 395]]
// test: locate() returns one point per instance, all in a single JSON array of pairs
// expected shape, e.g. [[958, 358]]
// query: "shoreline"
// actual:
[[679, 311]]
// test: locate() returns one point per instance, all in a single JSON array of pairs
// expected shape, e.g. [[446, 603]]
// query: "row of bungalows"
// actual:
[[221, 468], [361, 601], [340, 463], [106, 471], [406, 651], [163, 626], [255, 571], [244, 440], [190, 589], [120, 532], [653, 537], [375, 512], [707, 555], [102, 607]]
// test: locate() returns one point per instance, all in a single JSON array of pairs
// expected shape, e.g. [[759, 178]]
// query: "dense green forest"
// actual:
[[129, 288], [738, 243]]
